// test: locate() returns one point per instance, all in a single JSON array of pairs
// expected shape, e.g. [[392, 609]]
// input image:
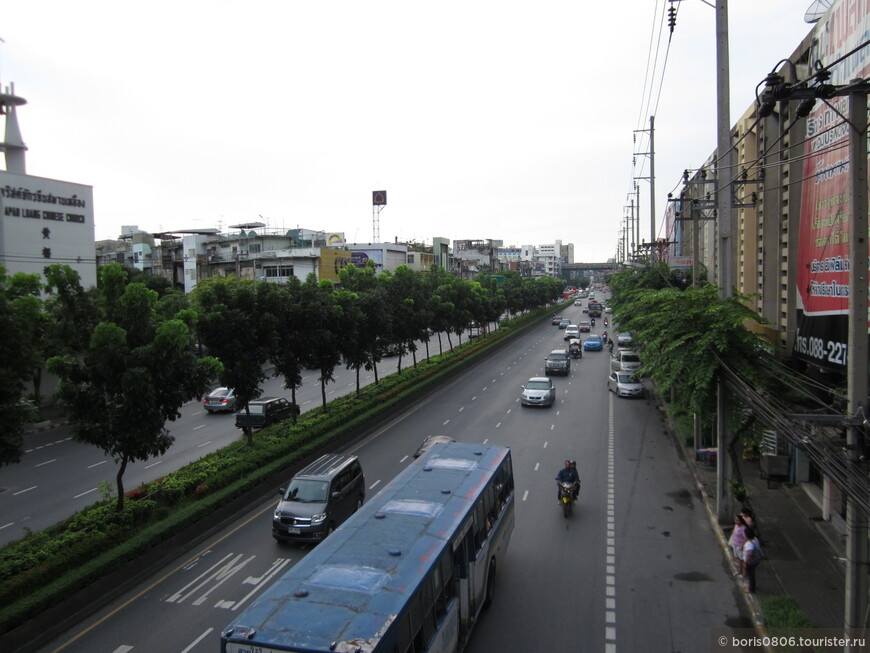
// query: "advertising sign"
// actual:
[[823, 242]]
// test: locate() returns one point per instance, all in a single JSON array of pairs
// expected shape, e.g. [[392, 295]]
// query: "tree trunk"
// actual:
[[119, 481]]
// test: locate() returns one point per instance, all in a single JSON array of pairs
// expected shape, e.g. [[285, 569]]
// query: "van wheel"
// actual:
[[490, 584], [359, 503]]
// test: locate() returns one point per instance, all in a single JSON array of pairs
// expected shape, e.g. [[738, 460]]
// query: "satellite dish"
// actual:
[[817, 10]]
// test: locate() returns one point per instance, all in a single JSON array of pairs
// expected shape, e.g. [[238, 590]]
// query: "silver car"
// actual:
[[219, 399], [625, 384], [538, 391]]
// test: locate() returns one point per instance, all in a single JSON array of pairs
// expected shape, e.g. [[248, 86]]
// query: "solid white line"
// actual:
[[197, 640]]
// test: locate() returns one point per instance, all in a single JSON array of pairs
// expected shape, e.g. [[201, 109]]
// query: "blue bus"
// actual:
[[409, 572]]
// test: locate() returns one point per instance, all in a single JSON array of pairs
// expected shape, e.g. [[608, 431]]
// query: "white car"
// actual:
[[624, 384], [572, 331], [625, 360]]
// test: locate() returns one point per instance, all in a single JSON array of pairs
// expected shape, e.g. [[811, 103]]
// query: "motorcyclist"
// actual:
[[568, 474], [605, 321], [592, 320]]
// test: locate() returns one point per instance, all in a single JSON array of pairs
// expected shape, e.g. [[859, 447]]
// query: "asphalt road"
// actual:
[[58, 476], [635, 568]]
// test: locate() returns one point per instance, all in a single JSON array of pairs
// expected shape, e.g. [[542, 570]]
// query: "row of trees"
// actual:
[[127, 352]]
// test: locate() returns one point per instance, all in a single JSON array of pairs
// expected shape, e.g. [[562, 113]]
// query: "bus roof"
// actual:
[[354, 584]]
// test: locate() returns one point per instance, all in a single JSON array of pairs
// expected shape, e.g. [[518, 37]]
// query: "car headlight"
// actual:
[[278, 514], [316, 519]]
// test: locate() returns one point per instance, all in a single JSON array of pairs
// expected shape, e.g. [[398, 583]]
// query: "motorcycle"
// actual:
[[566, 497]]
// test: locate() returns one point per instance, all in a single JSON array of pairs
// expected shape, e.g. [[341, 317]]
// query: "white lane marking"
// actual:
[[258, 583], [201, 426], [93, 489], [46, 462], [159, 462], [123, 649], [102, 462], [32, 487], [610, 558], [404, 458], [197, 640], [204, 444], [525, 495], [220, 570], [537, 466], [6, 525], [374, 485]]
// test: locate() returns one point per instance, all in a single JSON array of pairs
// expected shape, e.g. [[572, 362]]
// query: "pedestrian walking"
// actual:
[[752, 555], [737, 540]]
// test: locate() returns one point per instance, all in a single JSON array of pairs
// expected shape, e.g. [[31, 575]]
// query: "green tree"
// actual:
[[238, 325], [133, 377], [323, 315], [19, 316]]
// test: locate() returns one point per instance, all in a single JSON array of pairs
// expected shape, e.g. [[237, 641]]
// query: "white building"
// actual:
[[44, 221]]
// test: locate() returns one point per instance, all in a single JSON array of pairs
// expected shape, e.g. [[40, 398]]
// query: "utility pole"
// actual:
[[856, 362], [725, 221], [652, 180]]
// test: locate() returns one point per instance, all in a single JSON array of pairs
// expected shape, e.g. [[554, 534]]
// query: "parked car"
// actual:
[[319, 498], [623, 339], [430, 442], [474, 330], [625, 360], [557, 362], [563, 324], [572, 331], [219, 399], [625, 384], [593, 343], [265, 411], [538, 391]]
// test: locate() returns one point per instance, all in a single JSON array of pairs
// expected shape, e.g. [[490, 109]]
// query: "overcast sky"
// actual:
[[482, 120]]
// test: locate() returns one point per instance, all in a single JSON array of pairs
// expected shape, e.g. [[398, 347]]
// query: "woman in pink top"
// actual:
[[737, 540]]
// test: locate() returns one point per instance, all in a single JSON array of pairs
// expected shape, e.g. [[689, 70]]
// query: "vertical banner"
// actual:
[[823, 240]]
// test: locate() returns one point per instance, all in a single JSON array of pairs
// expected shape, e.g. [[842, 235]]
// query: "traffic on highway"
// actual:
[[634, 567]]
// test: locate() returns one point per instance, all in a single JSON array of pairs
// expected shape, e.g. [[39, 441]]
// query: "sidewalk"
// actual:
[[803, 553]]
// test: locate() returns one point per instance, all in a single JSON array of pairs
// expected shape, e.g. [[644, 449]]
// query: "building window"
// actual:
[[254, 249], [278, 271]]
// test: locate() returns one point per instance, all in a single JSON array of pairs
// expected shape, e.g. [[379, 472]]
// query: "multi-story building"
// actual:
[[44, 221]]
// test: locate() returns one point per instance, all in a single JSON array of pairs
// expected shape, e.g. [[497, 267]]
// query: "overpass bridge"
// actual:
[[594, 271]]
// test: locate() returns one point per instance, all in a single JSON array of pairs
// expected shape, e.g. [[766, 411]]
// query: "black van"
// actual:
[[319, 498]]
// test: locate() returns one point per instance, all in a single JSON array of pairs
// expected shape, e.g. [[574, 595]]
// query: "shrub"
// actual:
[[783, 611]]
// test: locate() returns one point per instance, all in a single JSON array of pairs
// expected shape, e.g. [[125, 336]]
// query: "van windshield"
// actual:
[[306, 491]]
